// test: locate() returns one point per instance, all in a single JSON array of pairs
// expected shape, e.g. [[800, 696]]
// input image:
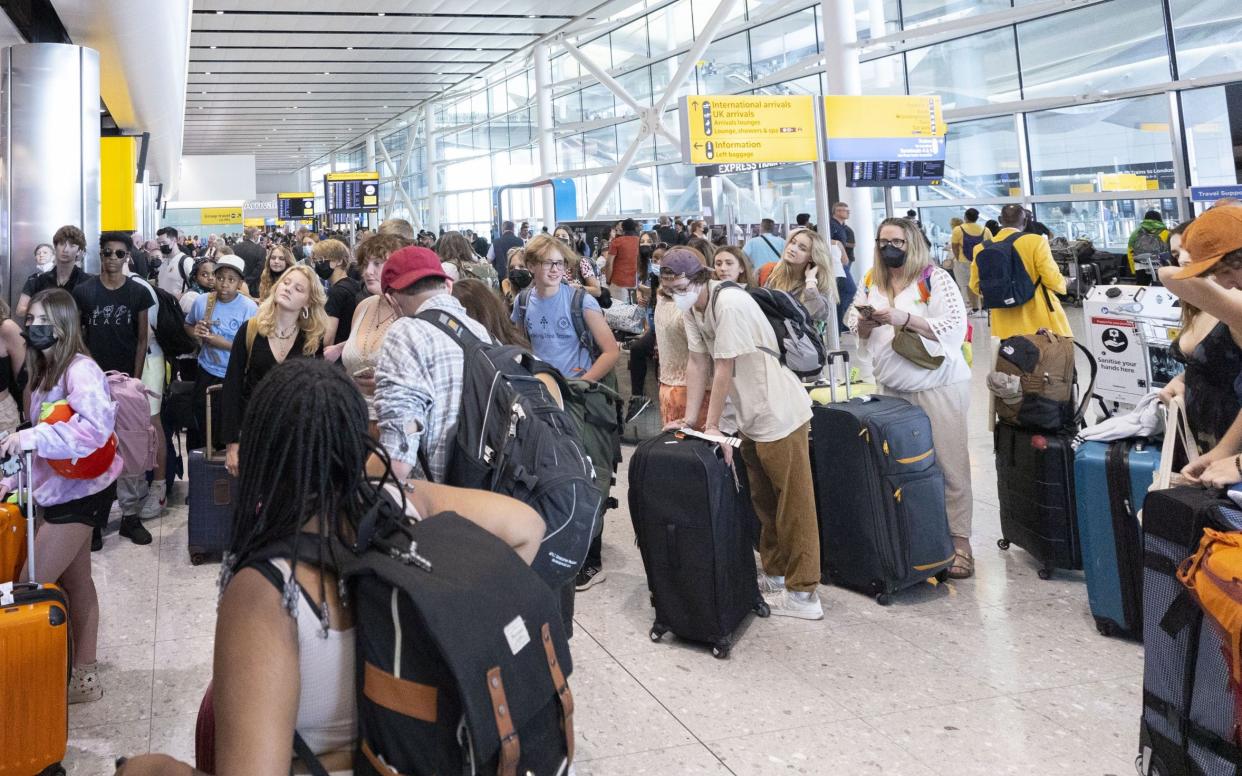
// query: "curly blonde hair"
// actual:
[[313, 325], [785, 277]]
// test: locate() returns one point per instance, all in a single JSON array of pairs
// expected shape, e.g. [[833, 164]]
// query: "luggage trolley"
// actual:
[[1129, 331]]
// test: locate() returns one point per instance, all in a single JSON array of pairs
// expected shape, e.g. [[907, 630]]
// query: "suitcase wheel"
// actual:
[[1002, 543], [55, 769], [1105, 627], [942, 576], [198, 558], [720, 650], [762, 609], [883, 599], [657, 631], [1044, 573]]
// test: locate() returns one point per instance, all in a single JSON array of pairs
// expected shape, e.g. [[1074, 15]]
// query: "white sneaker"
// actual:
[[804, 606], [771, 584], [84, 684], [154, 503]]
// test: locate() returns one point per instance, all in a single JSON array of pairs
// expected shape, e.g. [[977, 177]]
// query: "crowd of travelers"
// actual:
[[333, 373]]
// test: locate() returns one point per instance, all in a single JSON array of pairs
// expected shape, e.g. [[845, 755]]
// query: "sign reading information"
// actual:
[[730, 129], [892, 129]]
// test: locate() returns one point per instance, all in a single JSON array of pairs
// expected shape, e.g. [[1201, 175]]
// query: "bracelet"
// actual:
[[1237, 462]]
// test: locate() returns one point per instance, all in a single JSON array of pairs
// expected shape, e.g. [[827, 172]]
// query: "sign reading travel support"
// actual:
[[890, 128], [732, 129]]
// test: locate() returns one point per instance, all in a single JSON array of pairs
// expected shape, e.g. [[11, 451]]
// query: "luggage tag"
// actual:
[[728, 441]]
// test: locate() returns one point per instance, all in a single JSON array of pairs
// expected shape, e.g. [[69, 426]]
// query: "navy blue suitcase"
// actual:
[[692, 521], [879, 495], [1111, 481], [213, 491], [1190, 724]]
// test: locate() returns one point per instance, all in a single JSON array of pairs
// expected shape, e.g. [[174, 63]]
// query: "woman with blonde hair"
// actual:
[[911, 322], [805, 273], [290, 323], [279, 259]]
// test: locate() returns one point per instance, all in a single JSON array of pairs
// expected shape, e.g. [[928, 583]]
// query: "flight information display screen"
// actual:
[[894, 173], [295, 206], [351, 192]]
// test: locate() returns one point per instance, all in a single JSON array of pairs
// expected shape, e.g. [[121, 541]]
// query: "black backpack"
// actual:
[[801, 347], [170, 326], [1003, 280], [442, 693], [512, 438]]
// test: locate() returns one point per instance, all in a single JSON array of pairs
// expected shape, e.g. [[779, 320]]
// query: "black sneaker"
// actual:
[[636, 407], [588, 578], [132, 529], [96, 539]]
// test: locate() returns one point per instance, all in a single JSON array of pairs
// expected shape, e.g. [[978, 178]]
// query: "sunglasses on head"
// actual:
[[120, 253]]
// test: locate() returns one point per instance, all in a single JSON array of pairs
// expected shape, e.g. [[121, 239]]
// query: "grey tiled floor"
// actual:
[[1003, 673]]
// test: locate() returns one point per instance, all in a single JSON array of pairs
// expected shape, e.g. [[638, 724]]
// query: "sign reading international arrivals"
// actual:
[[742, 129], [890, 128]]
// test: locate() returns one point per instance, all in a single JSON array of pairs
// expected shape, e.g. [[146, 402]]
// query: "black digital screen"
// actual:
[[295, 208], [862, 174], [351, 196]]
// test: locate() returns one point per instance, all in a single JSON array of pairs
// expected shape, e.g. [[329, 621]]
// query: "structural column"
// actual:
[[543, 127], [49, 153], [429, 134], [841, 69]]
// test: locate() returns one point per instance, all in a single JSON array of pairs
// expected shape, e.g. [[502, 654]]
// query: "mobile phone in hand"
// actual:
[[866, 310], [365, 373]]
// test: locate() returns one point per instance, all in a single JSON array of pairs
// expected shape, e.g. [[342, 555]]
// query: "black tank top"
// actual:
[[1211, 371]]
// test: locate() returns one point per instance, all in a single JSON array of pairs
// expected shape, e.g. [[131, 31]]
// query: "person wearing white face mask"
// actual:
[[730, 339]]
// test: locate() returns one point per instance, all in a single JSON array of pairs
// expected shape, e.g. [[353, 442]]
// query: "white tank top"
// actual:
[[326, 714]]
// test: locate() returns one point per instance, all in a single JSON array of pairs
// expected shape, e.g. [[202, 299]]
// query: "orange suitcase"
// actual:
[[35, 660], [12, 541], [34, 656]]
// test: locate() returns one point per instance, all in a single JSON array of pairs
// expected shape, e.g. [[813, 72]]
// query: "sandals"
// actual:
[[963, 565]]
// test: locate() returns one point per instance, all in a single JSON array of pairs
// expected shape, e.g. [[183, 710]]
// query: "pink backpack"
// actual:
[[135, 434]]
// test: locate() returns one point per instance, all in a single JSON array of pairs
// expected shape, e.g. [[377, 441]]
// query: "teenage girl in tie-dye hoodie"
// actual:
[[61, 370]]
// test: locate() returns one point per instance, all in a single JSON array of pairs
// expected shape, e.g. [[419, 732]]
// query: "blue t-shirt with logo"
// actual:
[[227, 318], [550, 326]]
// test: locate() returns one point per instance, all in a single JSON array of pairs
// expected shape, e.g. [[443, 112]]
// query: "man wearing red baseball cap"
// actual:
[[419, 377]]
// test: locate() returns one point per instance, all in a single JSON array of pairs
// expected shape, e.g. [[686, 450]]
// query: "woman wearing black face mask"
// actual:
[[519, 277], [911, 322], [75, 467], [331, 264]]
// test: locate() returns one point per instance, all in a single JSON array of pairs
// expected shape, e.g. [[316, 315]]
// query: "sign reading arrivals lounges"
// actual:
[[733, 129], [890, 128]]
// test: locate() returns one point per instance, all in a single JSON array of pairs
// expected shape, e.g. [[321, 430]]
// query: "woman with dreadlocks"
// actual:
[[284, 651]]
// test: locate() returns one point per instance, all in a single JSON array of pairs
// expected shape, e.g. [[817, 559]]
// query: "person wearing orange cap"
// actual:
[[1212, 282]]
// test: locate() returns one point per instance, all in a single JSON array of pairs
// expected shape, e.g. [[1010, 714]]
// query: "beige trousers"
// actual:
[[947, 408]]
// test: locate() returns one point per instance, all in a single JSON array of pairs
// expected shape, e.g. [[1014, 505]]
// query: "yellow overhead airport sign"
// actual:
[[888, 128], [349, 176], [733, 129], [221, 216]]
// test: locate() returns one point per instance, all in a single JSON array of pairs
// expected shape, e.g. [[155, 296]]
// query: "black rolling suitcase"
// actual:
[[212, 494], [1035, 473], [1190, 723], [879, 495], [1035, 486], [692, 520]]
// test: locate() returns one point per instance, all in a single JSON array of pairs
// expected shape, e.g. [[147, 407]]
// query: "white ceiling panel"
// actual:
[[290, 80]]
